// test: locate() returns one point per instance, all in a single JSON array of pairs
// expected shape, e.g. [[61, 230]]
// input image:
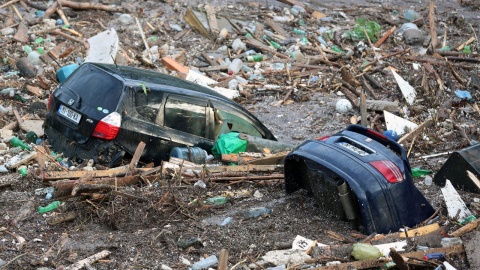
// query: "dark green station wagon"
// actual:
[[102, 112]]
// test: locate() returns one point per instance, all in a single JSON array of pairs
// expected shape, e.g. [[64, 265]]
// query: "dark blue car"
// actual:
[[361, 175]]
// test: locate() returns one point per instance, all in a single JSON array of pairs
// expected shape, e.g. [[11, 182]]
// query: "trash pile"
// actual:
[[307, 70]]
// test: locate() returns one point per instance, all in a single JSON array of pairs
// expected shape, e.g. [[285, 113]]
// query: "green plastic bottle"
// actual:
[[216, 200], [50, 207], [17, 142], [255, 58], [418, 172]]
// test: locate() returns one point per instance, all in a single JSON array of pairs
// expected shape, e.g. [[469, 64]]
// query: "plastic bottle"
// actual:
[[362, 251], [257, 211], [17, 142], [428, 180], [417, 172], [238, 45], [255, 58], [49, 195], [50, 207], [205, 263], [299, 31], [216, 200], [282, 18], [34, 58], [226, 221], [3, 110], [233, 84], [23, 170], [235, 66]]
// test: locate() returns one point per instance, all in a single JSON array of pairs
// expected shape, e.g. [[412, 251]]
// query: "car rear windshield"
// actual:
[[96, 88]]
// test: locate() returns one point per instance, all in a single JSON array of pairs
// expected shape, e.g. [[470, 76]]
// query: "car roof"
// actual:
[[127, 73]]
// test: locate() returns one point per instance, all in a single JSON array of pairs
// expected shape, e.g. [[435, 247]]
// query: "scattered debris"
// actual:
[[302, 69]]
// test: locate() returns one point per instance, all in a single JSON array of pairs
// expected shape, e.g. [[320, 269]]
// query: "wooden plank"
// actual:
[[195, 23], [56, 175], [292, 3], [456, 207], [276, 27], [259, 30], [136, 156], [212, 19]]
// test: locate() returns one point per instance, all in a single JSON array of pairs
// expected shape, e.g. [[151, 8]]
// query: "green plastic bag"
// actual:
[[229, 143]]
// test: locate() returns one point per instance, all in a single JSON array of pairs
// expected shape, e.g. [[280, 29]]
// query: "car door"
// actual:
[[190, 120]]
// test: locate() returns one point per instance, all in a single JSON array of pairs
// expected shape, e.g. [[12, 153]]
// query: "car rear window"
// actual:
[[96, 88]]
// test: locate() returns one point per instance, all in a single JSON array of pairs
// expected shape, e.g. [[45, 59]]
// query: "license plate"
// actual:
[[70, 114]]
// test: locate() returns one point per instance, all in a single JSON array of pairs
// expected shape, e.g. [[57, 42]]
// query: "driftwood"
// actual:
[[75, 5], [89, 188], [89, 260], [334, 251], [65, 187], [466, 229]]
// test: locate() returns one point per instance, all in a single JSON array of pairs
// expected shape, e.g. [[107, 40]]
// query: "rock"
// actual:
[[26, 68], [288, 256], [471, 249]]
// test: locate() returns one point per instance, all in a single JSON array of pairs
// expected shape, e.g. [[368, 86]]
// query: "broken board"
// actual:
[[455, 206], [32, 125], [398, 124]]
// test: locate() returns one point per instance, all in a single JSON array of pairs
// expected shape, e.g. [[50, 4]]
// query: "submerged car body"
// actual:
[[103, 111], [378, 191]]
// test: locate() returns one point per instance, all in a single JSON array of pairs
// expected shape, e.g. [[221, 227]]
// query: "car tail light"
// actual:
[[50, 101], [108, 127], [377, 134], [389, 170], [323, 138]]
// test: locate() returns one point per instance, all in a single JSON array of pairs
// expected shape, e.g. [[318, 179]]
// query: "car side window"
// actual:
[[230, 121], [148, 105], [185, 116]]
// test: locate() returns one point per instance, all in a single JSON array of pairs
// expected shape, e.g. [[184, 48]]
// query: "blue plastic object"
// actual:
[[65, 71], [383, 198], [392, 134], [463, 94]]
